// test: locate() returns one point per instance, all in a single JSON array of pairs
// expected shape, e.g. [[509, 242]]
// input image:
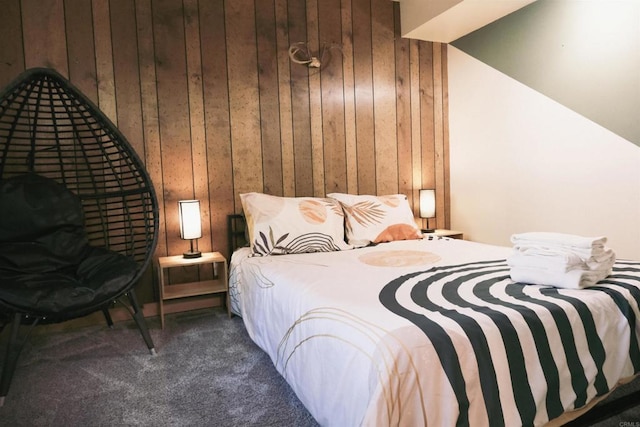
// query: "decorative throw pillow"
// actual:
[[377, 219], [289, 225]]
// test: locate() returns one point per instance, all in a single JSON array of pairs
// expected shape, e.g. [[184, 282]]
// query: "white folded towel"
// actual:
[[607, 257], [574, 279], [559, 239], [551, 261], [544, 238], [584, 247], [560, 260]]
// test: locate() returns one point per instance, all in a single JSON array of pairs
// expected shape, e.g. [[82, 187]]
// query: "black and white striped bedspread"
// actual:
[[550, 344]]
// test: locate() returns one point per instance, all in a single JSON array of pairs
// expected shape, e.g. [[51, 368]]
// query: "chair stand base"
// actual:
[[14, 347], [138, 317], [107, 317]]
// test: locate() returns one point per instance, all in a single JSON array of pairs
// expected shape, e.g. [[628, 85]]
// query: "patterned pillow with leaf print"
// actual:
[[377, 219], [290, 225]]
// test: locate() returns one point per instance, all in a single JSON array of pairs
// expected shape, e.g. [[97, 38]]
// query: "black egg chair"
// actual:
[[78, 212]]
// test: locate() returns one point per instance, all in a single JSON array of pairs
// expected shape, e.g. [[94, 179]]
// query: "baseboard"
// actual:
[[149, 310], [120, 313]]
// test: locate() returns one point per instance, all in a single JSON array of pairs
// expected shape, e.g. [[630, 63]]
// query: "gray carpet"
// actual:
[[207, 372]]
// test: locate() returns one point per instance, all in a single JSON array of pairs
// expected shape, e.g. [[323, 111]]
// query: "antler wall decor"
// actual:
[[300, 53]]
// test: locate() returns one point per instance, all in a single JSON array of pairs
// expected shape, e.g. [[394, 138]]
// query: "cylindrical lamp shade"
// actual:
[[190, 224], [427, 203]]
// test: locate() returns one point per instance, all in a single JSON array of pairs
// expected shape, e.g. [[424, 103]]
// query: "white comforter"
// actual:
[[433, 332]]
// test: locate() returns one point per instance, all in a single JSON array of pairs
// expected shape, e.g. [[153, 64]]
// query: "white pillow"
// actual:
[[288, 225], [377, 219]]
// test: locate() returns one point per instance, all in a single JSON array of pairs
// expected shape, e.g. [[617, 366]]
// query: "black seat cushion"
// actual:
[[41, 225], [47, 266]]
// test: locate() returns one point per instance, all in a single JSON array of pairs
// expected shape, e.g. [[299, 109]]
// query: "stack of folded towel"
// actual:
[[562, 260]]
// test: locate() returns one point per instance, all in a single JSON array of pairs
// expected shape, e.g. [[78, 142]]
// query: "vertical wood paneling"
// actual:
[[351, 151], [196, 119], [80, 47], [175, 127], [149, 106], [427, 119], [268, 91], [104, 59], [363, 71], [446, 221], [403, 112], [416, 129], [11, 46], [126, 86], [427, 116], [297, 24], [438, 134], [244, 99], [284, 100], [126, 75], [315, 103], [384, 97], [44, 36], [217, 125], [207, 95], [332, 91]]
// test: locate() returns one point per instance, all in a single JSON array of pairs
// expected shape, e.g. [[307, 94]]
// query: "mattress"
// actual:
[[434, 332]]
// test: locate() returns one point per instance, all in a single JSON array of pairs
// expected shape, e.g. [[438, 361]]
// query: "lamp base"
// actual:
[[428, 230], [192, 254]]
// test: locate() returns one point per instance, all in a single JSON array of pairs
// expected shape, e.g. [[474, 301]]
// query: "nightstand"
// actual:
[[446, 233], [219, 284]]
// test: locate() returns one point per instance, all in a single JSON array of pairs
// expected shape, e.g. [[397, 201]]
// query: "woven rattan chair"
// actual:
[[78, 212]]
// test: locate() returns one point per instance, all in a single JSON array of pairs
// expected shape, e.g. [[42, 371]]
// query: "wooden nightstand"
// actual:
[[446, 233], [219, 284]]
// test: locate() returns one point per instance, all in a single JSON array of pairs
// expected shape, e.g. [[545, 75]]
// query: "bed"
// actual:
[[433, 331]]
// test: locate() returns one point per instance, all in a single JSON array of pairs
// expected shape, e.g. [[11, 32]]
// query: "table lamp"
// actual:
[[428, 207], [190, 226]]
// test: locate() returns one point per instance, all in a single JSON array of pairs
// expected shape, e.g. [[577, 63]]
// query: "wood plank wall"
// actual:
[[207, 95]]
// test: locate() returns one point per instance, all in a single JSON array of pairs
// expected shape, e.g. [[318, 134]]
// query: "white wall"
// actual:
[[522, 162], [585, 54]]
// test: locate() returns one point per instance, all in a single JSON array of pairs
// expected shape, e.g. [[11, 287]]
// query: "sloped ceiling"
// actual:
[[447, 20], [584, 54]]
